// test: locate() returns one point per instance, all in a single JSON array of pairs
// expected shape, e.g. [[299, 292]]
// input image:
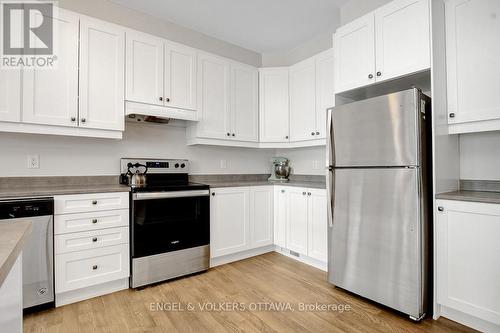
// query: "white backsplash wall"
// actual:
[[72, 156], [480, 156], [305, 161]]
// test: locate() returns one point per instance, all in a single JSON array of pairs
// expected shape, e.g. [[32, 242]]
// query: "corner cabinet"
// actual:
[[390, 42], [473, 65], [227, 103], [467, 269]]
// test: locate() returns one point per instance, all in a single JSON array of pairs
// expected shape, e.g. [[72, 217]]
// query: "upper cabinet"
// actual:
[[180, 76], [227, 102], [274, 105], [325, 92], [473, 65], [10, 95], [390, 42], [102, 78]]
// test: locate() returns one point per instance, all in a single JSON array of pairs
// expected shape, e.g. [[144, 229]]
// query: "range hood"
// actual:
[[149, 113]]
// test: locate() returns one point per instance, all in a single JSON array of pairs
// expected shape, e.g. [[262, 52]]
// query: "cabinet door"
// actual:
[[10, 95], [102, 75], [214, 97], [355, 54], [317, 245], [473, 60], [280, 211], [144, 66], [229, 221], [402, 31], [261, 215], [50, 96], [297, 220], [244, 103], [467, 258], [180, 76], [325, 94], [303, 101], [274, 105]]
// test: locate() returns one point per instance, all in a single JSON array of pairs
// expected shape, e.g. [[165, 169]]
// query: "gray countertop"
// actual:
[[12, 238], [20, 192], [474, 196], [308, 184]]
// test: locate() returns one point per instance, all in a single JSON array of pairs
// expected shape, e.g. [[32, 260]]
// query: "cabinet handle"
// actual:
[[228, 134], [94, 239], [370, 76], [94, 202], [282, 191], [379, 73], [94, 267], [161, 98], [317, 133], [308, 193], [452, 115], [286, 137], [234, 134], [167, 99], [312, 133], [213, 194], [304, 193], [84, 120], [94, 221], [441, 208], [73, 119]]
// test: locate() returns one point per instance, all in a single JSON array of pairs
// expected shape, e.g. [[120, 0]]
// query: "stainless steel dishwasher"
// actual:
[[38, 252]]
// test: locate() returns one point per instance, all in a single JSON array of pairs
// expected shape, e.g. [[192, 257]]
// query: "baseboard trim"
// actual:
[[222, 260], [303, 258], [468, 320], [82, 294]]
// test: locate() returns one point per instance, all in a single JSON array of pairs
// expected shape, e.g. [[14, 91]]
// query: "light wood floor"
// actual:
[[259, 280]]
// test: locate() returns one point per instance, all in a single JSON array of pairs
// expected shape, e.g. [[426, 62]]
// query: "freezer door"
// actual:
[[380, 131], [375, 244]]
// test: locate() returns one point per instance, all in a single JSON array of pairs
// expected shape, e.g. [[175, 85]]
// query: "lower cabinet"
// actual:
[[280, 205], [467, 256], [317, 226], [296, 222]]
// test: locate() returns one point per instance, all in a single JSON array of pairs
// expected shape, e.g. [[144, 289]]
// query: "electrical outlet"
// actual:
[[34, 161], [223, 164]]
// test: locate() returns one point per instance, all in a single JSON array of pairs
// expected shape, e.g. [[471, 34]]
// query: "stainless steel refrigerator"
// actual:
[[377, 189]]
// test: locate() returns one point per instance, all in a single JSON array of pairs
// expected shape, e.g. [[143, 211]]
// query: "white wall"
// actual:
[[305, 161], [111, 12], [480, 156], [72, 156]]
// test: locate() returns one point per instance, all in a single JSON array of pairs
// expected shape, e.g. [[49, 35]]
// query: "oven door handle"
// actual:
[[168, 195]]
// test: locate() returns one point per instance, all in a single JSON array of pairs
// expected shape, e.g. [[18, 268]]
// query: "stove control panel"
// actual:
[[156, 166]]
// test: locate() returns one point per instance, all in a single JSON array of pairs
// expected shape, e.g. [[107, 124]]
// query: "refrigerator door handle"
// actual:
[[330, 173]]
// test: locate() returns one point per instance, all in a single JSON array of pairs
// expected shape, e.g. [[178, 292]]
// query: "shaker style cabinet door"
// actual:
[[280, 211], [402, 31], [318, 225], [325, 93], [102, 75], [354, 45], [303, 101], [261, 215], [10, 95], [229, 221], [214, 101], [274, 105], [180, 76], [144, 68], [296, 231], [50, 96], [244, 103], [473, 65]]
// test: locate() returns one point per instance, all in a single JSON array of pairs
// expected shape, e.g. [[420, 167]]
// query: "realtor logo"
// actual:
[[27, 34]]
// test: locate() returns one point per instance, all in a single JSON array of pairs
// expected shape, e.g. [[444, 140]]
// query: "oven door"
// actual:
[[169, 221]]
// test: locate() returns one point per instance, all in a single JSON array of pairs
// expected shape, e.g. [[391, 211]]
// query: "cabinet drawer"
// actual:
[[81, 203], [82, 269], [90, 240], [64, 224]]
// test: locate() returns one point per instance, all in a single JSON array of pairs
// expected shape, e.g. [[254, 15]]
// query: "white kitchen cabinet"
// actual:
[[317, 243], [467, 253], [244, 103], [297, 220], [10, 95], [229, 221], [102, 75], [390, 42], [354, 45], [402, 30], [50, 96], [274, 105], [303, 100], [280, 213], [325, 92], [214, 100], [144, 68], [473, 65], [180, 76], [261, 215]]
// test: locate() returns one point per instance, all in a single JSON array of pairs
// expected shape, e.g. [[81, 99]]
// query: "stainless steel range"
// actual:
[[170, 222]]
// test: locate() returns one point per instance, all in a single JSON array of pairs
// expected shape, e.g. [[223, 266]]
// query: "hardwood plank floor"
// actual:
[[255, 284]]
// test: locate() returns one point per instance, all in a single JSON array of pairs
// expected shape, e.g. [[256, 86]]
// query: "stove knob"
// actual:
[[183, 165], [176, 165]]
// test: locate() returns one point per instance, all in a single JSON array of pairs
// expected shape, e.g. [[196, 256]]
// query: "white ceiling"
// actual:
[[259, 25]]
